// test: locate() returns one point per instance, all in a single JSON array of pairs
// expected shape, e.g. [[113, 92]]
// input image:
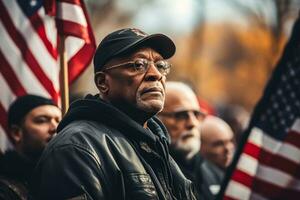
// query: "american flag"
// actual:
[[29, 63], [267, 164]]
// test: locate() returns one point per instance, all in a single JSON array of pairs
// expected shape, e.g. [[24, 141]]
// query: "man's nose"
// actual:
[[191, 121], [152, 73], [229, 146], [53, 126]]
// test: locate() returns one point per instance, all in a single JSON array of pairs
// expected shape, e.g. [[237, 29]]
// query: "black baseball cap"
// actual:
[[123, 41]]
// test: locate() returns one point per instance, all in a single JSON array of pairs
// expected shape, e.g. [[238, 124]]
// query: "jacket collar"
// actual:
[[95, 109]]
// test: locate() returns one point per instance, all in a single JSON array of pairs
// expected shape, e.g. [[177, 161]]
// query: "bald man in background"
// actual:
[[217, 141], [217, 147]]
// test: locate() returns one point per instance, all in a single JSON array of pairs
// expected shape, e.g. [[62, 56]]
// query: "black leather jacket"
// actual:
[[101, 153]]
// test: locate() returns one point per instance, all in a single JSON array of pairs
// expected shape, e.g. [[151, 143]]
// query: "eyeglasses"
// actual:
[[184, 115], [141, 65]]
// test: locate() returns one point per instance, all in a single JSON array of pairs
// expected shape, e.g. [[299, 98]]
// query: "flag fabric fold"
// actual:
[[28, 50], [267, 162]]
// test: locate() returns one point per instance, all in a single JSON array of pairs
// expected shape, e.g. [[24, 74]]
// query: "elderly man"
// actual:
[[111, 146], [183, 117], [32, 122]]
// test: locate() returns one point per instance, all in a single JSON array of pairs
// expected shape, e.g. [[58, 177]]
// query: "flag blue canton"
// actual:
[[283, 106], [29, 7]]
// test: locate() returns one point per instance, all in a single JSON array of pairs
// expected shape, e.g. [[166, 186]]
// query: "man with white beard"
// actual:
[[182, 116]]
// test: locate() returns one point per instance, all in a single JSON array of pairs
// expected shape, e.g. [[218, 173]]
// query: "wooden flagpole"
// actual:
[[63, 76]]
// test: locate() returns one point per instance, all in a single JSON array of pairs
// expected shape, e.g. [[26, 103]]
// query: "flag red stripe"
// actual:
[[272, 191], [3, 118], [28, 56], [293, 138], [81, 61], [77, 2], [38, 25], [81, 58], [9, 75], [262, 187], [50, 5], [242, 177], [87, 49], [252, 149], [73, 29], [269, 159], [279, 162]]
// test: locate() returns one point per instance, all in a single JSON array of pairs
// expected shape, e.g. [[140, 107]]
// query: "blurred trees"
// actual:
[[229, 63]]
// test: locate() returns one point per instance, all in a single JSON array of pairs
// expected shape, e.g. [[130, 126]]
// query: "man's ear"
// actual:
[[15, 134], [101, 82]]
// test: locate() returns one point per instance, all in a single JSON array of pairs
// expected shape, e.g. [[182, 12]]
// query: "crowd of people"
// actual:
[[140, 137]]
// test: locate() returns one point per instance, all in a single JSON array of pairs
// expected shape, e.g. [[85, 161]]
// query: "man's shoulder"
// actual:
[[84, 129], [211, 171], [86, 136], [82, 140], [84, 126]]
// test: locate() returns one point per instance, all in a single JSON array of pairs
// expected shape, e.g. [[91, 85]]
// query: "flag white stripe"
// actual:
[[73, 45], [237, 191], [250, 166], [255, 136], [247, 164], [291, 152], [12, 54], [277, 177], [296, 126], [274, 146], [72, 12], [34, 42], [4, 141], [50, 27], [9, 96]]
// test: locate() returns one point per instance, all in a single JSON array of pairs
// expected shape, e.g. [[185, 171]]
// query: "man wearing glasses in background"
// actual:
[[183, 116], [111, 145]]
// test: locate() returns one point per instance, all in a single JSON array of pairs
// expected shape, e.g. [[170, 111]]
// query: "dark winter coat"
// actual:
[[102, 154], [15, 171], [206, 177]]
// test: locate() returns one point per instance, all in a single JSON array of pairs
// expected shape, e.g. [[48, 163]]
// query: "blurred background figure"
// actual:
[[206, 106], [182, 116], [217, 142], [217, 147], [237, 118], [32, 122]]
